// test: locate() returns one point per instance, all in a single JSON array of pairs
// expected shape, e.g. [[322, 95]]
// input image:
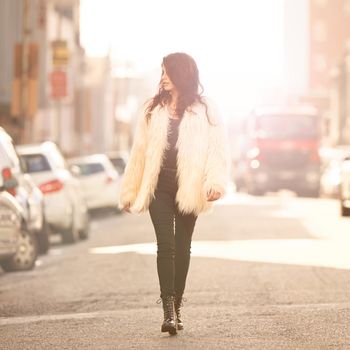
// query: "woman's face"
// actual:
[[165, 81]]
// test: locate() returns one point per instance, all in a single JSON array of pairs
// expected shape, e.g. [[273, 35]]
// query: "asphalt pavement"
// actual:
[[266, 273]]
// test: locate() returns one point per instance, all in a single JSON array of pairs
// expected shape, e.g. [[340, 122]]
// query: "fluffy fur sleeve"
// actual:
[[132, 177], [218, 158]]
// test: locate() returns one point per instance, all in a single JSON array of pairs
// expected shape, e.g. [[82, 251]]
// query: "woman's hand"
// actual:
[[127, 208], [213, 195]]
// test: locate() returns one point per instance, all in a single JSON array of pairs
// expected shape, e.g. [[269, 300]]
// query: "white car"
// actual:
[[65, 208], [332, 159], [20, 185], [345, 188], [99, 179], [119, 159]]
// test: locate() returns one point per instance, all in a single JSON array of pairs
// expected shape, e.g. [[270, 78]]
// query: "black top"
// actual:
[[170, 155]]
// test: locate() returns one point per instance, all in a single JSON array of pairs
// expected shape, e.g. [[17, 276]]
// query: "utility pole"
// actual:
[[58, 103], [60, 57], [24, 120]]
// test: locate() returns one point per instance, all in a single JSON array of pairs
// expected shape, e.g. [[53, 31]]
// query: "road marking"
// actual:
[[6, 321], [9, 321], [55, 251], [301, 252]]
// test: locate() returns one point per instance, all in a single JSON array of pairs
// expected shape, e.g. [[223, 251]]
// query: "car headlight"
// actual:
[[8, 218]]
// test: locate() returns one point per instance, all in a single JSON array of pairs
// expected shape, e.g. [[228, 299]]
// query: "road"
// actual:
[[267, 272]]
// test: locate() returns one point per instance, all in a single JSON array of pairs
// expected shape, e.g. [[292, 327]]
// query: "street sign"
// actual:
[[58, 80]]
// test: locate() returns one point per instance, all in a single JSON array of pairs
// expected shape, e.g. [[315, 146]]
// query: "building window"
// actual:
[[347, 7], [320, 30], [321, 3]]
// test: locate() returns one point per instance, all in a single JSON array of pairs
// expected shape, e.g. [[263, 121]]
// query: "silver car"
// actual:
[[18, 247], [23, 189]]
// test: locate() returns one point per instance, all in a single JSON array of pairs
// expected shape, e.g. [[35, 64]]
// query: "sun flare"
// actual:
[[238, 45]]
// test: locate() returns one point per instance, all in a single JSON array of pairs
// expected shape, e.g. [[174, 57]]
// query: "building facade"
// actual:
[[41, 71], [329, 78]]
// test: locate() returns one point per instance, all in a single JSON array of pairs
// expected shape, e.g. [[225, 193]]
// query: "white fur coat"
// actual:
[[202, 160]]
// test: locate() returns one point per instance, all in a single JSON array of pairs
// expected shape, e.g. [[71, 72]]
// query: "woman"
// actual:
[[177, 167]]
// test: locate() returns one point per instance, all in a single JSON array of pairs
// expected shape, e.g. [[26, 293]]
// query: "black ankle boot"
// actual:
[[178, 304], [169, 323]]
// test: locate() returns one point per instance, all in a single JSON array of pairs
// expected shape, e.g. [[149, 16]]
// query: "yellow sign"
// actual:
[[60, 53]]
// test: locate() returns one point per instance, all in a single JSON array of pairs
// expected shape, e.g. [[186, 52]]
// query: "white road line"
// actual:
[[8, 321], [301, 252], [5, 321]]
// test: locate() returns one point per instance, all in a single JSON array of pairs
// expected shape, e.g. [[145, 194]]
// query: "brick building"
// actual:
[[329, 78]]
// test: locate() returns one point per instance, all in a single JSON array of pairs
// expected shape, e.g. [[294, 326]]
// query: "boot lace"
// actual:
[[168, 307]]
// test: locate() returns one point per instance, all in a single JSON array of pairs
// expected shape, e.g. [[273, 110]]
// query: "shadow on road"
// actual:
[[103, 213]]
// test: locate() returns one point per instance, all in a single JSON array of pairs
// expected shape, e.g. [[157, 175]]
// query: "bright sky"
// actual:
[[237, 44]]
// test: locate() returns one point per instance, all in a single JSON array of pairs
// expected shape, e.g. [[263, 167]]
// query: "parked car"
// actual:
[[332, 159], [65, 208], [345, 188], [18, 246], [330, 179], [21, 186], [99, 179], [119, 159]]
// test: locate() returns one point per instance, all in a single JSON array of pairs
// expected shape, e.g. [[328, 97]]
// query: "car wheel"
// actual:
[[26, 255], [84, 233], [44, 238], [71, 235], [344, 210], [117, 210]]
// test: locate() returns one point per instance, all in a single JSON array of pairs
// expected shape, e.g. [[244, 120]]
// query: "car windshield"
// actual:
[[287, 126], [90, 168], [35, 163], [118, 162]]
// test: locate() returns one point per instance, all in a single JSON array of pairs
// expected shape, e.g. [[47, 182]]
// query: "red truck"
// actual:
[[280, 150]]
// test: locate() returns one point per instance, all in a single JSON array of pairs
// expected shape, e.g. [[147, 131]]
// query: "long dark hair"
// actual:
[[182, 70]]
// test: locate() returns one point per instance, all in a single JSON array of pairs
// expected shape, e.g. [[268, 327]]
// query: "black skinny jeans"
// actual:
[[174, 234]]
